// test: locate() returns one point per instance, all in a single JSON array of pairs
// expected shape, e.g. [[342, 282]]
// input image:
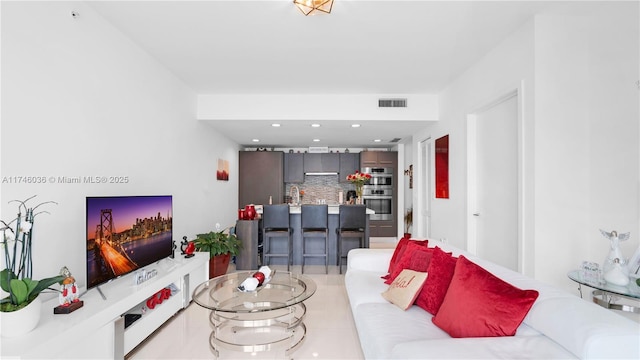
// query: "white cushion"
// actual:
[[376, 260], [506, 347], [364, 287], [586, 329], [381, 326]]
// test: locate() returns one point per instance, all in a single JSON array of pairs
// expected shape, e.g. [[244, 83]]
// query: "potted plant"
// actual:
[[408, 221], [220, 245], [20, 310]]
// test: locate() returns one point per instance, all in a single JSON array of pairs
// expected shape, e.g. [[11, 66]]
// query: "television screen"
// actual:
[[125, 233]]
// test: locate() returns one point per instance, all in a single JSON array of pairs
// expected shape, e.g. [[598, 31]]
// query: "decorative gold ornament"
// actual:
[[313, 7]]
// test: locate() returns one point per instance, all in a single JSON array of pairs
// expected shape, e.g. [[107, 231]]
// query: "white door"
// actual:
[[496, 183], [425, 191]]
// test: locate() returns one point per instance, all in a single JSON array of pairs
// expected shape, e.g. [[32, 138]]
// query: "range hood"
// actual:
[[320, 173]]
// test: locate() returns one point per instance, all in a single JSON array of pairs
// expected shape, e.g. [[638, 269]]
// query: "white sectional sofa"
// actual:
[[559, 325]]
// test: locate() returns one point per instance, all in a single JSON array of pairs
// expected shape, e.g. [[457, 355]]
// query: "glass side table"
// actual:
[[261, 320], [606, 295]]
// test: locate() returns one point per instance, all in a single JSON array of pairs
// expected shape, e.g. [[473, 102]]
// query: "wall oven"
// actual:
[[379, 200], [379, 176]]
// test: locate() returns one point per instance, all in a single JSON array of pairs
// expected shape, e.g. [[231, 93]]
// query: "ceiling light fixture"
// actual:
[[256, 140], [315, 125], [377, 140], [316, 140], [313, 7], [275, 125], [355, 125]]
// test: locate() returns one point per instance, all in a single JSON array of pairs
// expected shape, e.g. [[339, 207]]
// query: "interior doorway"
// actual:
[[494, 158], [425, 188]]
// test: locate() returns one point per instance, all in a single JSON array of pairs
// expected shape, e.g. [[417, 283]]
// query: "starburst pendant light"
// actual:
[[312, 7]]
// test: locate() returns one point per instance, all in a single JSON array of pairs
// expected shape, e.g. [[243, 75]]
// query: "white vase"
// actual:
[[17, 323]]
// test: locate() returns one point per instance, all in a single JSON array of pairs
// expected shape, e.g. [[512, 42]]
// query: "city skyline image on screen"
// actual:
[[125, 233]]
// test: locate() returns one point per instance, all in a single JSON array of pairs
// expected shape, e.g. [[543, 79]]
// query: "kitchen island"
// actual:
[[313, 244]]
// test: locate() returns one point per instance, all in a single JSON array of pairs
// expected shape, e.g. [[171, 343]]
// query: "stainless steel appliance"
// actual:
[[380, 200], [379, 176]]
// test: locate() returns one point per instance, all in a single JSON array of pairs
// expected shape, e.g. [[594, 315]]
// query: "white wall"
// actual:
[[586, 136], [499, 72], [80, 99], [580, 107], [296, 107]]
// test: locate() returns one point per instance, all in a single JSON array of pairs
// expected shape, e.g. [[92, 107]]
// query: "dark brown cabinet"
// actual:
[[322, 162], [293, 168], [383, 159], [382, 228], [260, 177], [388, 159], [349, 163]]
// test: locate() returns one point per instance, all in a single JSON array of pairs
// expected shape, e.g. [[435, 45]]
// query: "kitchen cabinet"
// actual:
[[321, 162], [260, 176], [349, 163], [383, 159], [293, 168], [383, 228], [387, 159]]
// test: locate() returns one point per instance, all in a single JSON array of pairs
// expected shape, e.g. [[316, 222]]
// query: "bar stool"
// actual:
[[315, 224], [275, 224], [353, 220]]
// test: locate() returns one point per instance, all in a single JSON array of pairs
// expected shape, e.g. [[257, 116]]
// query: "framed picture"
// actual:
[[222, 172], [442, 167]]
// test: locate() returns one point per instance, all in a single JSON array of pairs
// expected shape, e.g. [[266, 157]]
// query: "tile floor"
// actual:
[[331, 333]]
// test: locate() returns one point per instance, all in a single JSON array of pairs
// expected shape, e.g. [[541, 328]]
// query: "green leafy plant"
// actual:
[[16, 277], [218, 243]]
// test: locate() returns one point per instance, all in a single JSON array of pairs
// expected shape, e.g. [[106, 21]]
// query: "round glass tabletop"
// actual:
[[283, 290], [631, 290]]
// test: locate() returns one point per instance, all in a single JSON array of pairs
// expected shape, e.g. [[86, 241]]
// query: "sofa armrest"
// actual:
[[370, 259]]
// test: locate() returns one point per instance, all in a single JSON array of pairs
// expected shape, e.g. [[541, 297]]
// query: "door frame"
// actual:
[[471, 118], [424, 186]]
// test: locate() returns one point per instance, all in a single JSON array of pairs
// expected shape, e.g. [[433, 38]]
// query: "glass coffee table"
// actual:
[[261, 320], [606, 294]]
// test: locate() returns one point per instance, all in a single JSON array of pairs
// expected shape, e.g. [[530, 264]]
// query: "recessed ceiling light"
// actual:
[[275, 125], [316, 140], [315, 125], [355, 125], [377, 140], [256, 140]]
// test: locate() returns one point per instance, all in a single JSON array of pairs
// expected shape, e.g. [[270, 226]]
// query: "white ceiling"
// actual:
[[362, 47]]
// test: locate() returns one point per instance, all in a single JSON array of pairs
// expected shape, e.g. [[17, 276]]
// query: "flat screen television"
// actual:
[[126, 233]]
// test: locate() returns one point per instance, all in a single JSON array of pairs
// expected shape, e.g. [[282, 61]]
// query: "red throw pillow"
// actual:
[[416, 257], [397, 254], [479, 304], [440, 271]]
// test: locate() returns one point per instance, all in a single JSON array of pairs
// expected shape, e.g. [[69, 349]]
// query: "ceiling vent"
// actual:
[[392, 103], [395, 140]]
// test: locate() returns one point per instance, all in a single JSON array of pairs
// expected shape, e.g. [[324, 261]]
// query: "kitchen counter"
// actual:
[[333, 210], [296, 209], [312, 243]]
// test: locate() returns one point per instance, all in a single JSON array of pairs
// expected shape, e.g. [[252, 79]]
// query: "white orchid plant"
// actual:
[[15, 278]]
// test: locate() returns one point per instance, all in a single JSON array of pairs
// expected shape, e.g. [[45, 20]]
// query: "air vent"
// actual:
[[395, 140], [392, 103]]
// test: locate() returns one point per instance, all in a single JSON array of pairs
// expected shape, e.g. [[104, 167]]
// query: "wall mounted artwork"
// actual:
[[442, 167], [223, 170]]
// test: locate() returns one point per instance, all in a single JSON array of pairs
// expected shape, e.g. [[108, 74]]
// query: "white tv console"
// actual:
[[97, 331]]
